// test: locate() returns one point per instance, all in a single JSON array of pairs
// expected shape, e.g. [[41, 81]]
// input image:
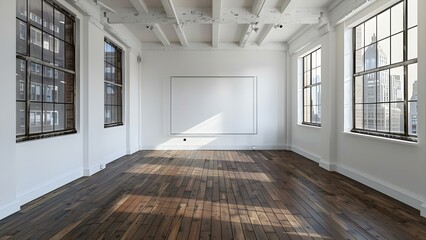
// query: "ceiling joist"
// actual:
[[216, 13], [189, 16], [171, 14], [248, 32], [140, 6], [265, 32]]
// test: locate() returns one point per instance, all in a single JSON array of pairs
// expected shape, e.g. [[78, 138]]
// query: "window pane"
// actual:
[[36, 81], [314, 59], [370, 57], [319, 57], [21, 9], [383, 117], [383, 86], [412, 43], [370, 88], [359, 116], [412, 13], [35, 43], [59, 25], [359, 36], [21, 79], [119, 114], [307, 78], [107, 115], [397, 48], [383, 50], [314, 96], [48, 117], [69, 53], [35, 12], [397, 117], [383, 25], [315, 117], [48, 84], [307, 97], [119, 97], [370, 117], [60, 117], [359, 89], [110, 94], [48, 48], [69, 30], [69, 116], [69, 88], [59, 53], [47, 18], [412, 82], [307, 114], [59, 86], [308, 63], [317, 77], [359, 60], [412, 118], [314, 74], [21, 37], [397, 84], [397, 18], [20, 118], [370, 31], [35, 117]]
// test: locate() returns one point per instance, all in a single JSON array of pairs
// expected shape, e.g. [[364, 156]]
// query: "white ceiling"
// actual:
[[235, 18]]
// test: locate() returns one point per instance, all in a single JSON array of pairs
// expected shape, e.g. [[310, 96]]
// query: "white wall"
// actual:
[[8, 203], [393, 167], [159, 66], [32, 168]]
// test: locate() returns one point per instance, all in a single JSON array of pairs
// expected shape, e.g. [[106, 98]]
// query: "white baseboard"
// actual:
[[49, 186], [306, 154], [423, 210], [113, 157], [400, 194], [215, 147], [87, 172], [9, 208], [414, 200]]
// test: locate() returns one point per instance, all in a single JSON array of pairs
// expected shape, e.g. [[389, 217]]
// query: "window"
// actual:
[[113, 92], [385, 73], [312, 88], [45, 79]]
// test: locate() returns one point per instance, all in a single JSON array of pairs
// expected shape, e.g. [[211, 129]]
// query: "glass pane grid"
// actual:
[[380, 96], [46, 114], [312, 88]]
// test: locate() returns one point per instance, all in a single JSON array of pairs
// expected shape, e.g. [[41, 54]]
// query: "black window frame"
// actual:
[[405, 63], [117, 65], [310, 86], [46, 70]]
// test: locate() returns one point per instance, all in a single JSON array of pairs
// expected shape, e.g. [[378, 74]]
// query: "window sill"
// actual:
[[384, 139], [113, 125], [44, 136], [309, 126]]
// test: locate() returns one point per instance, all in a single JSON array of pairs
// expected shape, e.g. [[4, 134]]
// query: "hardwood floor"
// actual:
[[214, 195]]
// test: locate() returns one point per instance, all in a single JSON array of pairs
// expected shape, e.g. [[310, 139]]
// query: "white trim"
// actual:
[[87, 172], [215, 147], [113, 157], [327, 166], [9, 208], [309, 155], [398, 193], [379, 138], [48, 186]]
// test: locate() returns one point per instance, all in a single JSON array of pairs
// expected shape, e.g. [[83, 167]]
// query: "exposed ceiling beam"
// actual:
[[265, 32], [140, 6], [288, 6], [216, 12], [189, 16], [248, 31], [171, 13], [258, 6], [215, 34], [160, 34]]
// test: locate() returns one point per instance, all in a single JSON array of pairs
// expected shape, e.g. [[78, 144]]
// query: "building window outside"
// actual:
[[113, 81], [385, 78], [312, 88], [45, 79]]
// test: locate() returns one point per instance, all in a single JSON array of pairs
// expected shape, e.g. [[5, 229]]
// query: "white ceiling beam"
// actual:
[[160, 34], [265, 32], [258, 7], [171, 13], [189, 16], [248, 31], [216, 13], [140, 6], [288, 6], [215, 34]]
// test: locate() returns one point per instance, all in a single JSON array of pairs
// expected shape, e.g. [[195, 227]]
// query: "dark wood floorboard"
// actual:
[[214, 195]]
